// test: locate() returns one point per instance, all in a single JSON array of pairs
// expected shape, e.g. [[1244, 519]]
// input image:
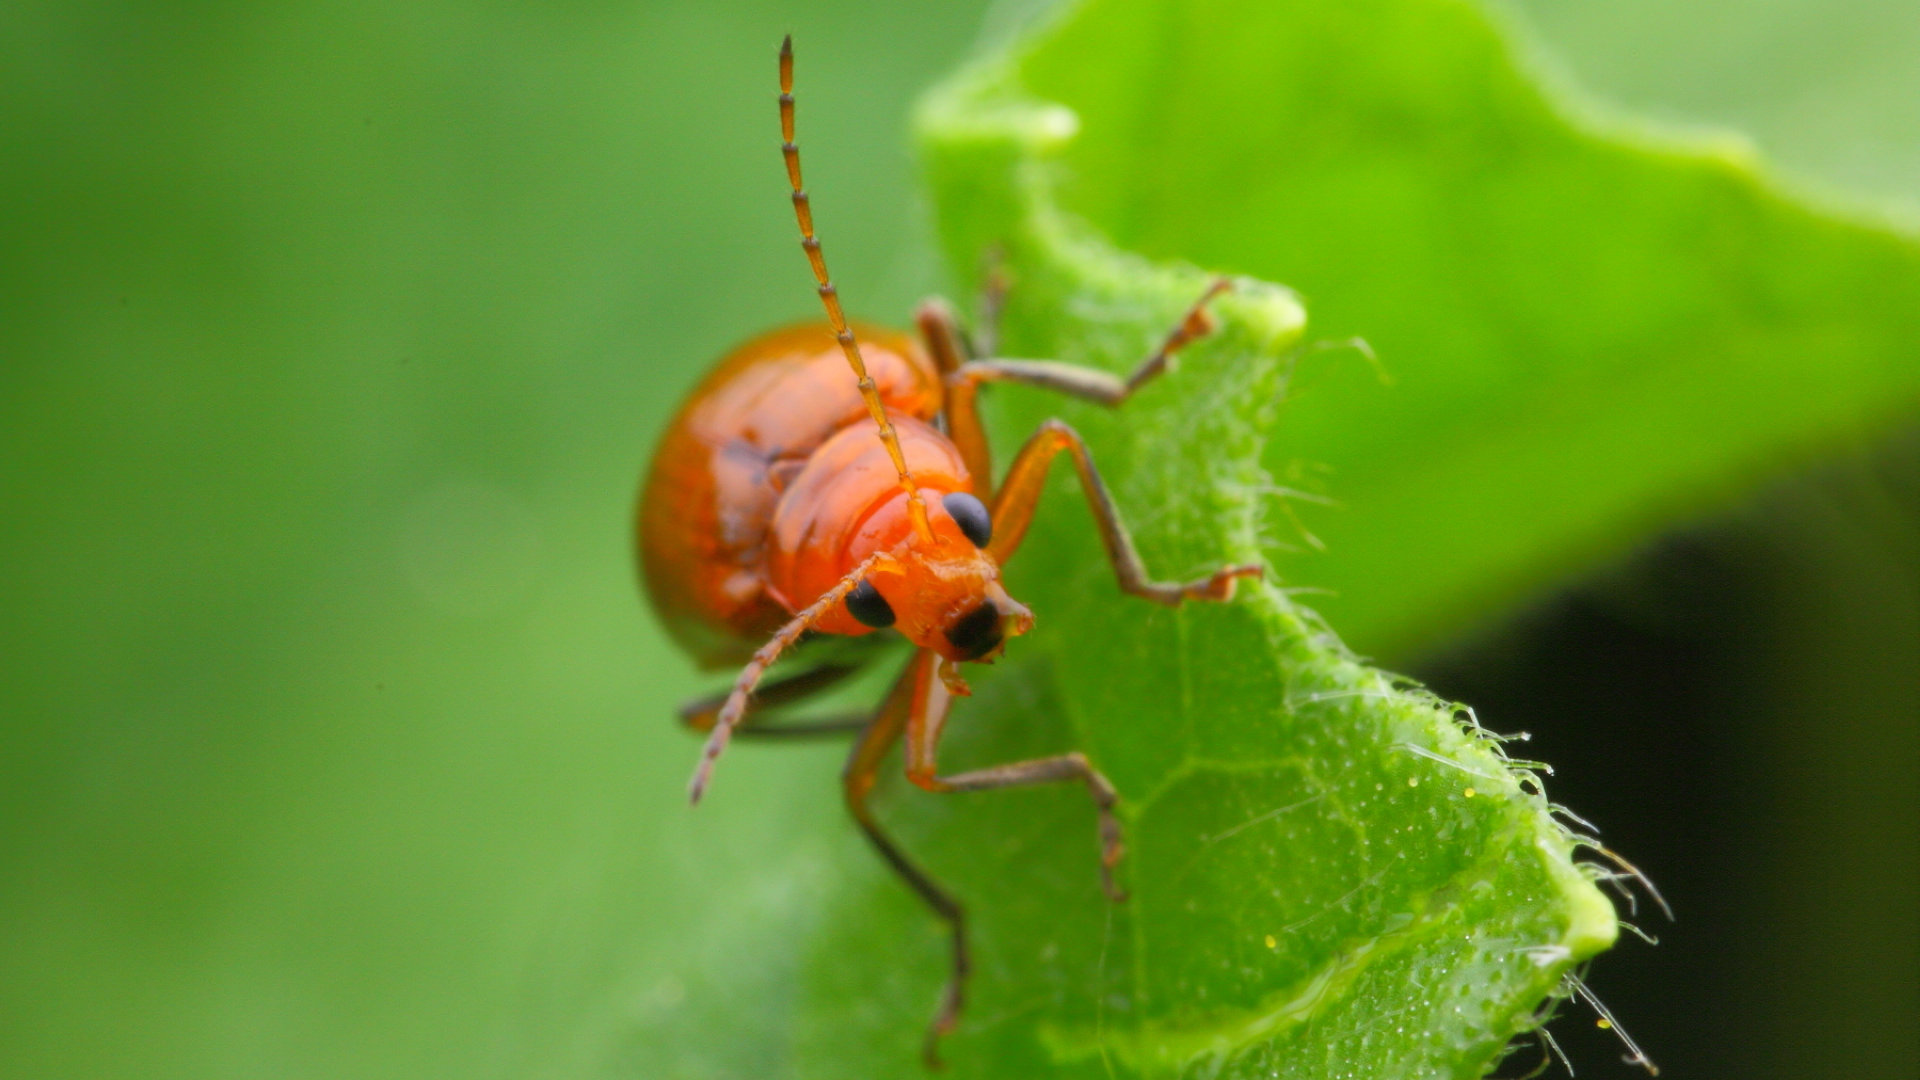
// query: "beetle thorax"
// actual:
[[845, 504]]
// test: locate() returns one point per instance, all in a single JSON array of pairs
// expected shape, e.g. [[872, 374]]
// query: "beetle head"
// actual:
[[943, 592]]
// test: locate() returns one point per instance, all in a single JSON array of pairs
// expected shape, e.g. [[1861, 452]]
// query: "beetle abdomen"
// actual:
[[708, 502]]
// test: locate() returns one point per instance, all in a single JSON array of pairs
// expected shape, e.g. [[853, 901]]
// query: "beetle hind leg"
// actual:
[[913, 697], [964, 379], [701, 713]]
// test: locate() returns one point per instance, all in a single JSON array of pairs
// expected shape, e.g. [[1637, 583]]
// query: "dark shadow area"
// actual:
[[1737, 707]]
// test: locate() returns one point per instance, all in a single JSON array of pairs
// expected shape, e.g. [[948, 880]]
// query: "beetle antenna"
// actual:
[[830, 297], [734, 709]]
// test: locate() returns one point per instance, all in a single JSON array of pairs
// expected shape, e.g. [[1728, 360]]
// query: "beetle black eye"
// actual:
[[971, 515], [866, 604], [976, 633]]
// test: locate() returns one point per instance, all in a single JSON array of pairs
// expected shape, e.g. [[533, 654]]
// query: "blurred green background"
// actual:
[[336, 739]]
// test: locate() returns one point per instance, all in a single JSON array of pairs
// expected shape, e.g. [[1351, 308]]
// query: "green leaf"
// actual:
[[1590, 334], [338, 741], [1331, 873]]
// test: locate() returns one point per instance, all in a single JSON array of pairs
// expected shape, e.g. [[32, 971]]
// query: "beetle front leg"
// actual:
[[1070, 766], [924, 729], [1020, 496]]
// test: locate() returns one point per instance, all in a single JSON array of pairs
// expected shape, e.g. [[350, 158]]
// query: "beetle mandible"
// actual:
[[788, 501]]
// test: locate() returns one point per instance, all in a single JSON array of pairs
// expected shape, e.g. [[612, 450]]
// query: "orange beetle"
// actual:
[[787, 500]]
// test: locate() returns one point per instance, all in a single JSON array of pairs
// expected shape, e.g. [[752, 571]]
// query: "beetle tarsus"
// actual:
[[1220, 586]]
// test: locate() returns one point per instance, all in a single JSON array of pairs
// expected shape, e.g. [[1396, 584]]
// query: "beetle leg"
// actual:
[[1020, 495], [783, 639], [993, 301], [940, 331], [924, 728], [700, 713], [908, 705], [1085, 383]]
